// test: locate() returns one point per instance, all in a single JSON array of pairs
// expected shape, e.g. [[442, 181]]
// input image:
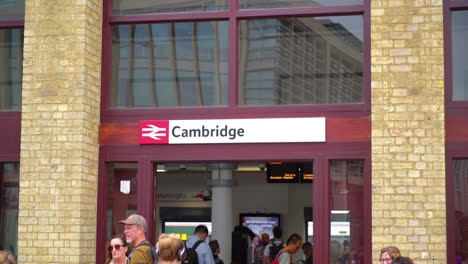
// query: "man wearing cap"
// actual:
[[135, 228]]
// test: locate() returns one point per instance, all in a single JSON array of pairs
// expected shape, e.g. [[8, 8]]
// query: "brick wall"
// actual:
[[59, 134], [408, 143]]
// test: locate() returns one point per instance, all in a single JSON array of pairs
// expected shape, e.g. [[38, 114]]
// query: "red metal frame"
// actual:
[[233, 15], [12, 24], [456, 145], [320, 153], [10, 138], [450, 6]]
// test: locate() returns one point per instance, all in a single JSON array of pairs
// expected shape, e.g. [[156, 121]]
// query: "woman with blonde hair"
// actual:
[[170, 249], [7, 258]]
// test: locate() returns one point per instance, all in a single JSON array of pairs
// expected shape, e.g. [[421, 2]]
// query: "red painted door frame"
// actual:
[[320, 153]]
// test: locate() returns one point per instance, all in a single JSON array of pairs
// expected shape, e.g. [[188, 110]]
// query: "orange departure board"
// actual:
[[290, 172]]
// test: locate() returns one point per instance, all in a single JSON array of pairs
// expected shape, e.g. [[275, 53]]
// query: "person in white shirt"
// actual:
[[292, 246]]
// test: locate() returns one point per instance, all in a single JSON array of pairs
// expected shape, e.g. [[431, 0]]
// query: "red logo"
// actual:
[[154, 132]]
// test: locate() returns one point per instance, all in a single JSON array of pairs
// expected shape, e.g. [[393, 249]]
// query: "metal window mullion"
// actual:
[[175, 78], [151, 68], [131, 62], [196, 66], [217, 64]]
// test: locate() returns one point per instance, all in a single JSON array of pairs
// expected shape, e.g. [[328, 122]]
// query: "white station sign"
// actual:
[[258, 130]]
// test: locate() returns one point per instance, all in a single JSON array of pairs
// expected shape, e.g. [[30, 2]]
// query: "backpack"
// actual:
[[192, 255], [276, 260], [153, 251], [258, 255], [274, 249]]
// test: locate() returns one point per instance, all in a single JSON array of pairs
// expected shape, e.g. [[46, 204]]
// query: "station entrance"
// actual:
[[322, 201]]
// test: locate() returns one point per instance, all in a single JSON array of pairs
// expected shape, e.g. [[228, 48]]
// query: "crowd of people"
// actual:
[[133, 248]]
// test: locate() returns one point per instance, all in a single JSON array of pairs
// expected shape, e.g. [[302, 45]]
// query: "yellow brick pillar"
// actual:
[[408, 143], [59, 131]]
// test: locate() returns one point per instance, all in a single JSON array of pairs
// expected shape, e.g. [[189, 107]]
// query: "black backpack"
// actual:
[[274, 250], [192, 255]]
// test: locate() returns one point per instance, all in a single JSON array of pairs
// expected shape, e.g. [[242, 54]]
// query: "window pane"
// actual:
[[256, 4], [347, 211], [12, 10], [128, 7], [9, 217], [11, 68], [460, 55], [301, 61], [461, 207], [170, 65], [121, 195]]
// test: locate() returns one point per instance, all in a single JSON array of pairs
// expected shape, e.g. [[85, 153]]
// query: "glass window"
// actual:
[[129, 7], [170, 65], [461, 208], [460, 55], [11, 68], [9, 217], [121, 195], [12, 10], [257, 4], [309, 60], [347, 211]]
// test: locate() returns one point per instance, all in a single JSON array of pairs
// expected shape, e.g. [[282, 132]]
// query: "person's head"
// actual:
[[214, 245], [117, 248], [402, 260], [293, 244], [201, 231], [7, 258], [135, 228], [265, 239], [277, 232], [170, 249], [307, 249], [387, 254]]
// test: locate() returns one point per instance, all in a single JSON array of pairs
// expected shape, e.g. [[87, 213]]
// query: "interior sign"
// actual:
[[261, 130]]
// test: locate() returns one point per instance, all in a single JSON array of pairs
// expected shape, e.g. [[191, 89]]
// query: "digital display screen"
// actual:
[[290, 172], [184, 230], [260, 223]]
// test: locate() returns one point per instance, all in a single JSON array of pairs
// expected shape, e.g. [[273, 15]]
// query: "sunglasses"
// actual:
[[117, 247]]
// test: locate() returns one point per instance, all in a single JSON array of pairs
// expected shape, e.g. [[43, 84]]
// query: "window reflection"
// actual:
[[11, 68], [461, 208], [129, 7], [347, 212], [460, 55], [121, 195], [301, 61], [170, 65], [9, 207], [12, 10]]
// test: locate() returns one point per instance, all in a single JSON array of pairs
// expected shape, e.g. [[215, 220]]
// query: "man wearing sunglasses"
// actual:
[[135, 228]]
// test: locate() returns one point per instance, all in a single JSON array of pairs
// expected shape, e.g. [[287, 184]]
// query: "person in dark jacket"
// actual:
[[308, 252], [214, 245]]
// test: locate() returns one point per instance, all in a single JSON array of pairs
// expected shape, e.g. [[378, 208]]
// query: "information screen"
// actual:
[[184, 230], [260, 223], [290, 172]]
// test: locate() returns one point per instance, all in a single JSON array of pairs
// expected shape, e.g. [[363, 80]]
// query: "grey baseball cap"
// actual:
[[135, 219]]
